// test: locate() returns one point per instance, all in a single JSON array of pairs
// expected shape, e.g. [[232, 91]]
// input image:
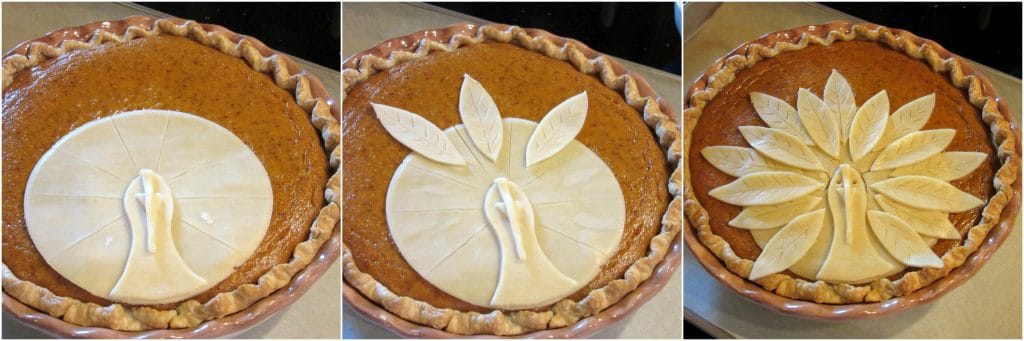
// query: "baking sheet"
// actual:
[[365, 24], [314, 315], [986, 306]]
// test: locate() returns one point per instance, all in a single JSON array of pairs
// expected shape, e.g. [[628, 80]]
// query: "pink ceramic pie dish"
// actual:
[[585, 327], [842, 312], [322, 258]]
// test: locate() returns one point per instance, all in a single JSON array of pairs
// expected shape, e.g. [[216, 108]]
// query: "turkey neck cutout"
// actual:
[[149, 206], [502, 213], [509, 212]]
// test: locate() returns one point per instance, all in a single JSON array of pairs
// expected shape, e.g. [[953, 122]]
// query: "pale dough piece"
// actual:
[[138, 136], [471, 272], [418, 234], [527, 277], [435, 213], [852, 257], [153, 259], [218, 184], [843, 251], [587, 222], [558, 128]]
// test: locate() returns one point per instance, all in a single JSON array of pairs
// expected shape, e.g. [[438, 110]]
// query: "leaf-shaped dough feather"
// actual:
[[913, 148], [840, 101], [909, 118], [557, 129], [779, 115], [946, 166], [769, 217], [902, 242], [869, 125], [820, 123], [789, 245], [481, 117], [740, 161], [418, 134], [766, 188], [781, 147], [926, 193], [930, 223]]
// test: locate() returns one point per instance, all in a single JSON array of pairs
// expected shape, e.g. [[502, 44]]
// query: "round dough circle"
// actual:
[[74, 211], [436, 216]]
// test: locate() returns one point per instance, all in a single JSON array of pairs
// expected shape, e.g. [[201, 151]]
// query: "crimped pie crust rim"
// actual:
[[981, 95], [565, 313], [309, 95]]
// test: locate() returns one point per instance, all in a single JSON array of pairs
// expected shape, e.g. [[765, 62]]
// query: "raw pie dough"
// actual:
[[482, 223], [877, 184], [148, 206]]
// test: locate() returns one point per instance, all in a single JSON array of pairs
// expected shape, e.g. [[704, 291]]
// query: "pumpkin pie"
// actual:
[[845, 163], [159, 174], [502, 181]]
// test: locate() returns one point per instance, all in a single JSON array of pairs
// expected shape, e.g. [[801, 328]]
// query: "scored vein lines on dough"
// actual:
[[456, 209], [464, 243], [93, 165], [76, 196], [204, 165], [186, 222], [541, 175], [509, 167], [549, 203], [546, 227], [163, 142], [410, 165], [103, 227], [470, 146], [113, 122], [225, 197]]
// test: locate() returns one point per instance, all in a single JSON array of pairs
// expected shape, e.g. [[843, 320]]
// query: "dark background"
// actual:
[[988, 33], [641, 32], [311, 31], [978, 31]]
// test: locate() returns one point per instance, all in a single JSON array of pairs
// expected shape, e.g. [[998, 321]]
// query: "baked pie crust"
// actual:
[[565, 312], [191, 313], [980, 94]]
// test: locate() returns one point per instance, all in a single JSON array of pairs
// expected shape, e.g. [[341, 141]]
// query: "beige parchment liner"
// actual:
[[309, 95], [566, 312], [980, 94]]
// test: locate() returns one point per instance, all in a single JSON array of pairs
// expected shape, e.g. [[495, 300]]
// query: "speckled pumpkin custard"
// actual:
[[845, 164], [503, 181], [159, 174]]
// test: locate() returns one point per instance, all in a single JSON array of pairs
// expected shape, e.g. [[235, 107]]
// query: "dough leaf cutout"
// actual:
[[481, 117], [841, 102], [418, 134], [946, 166], [926, 193], [901, 241], [766, 188], [869, 125], [779, 115], [739, 161], [930, 223], [780, 146], [769, 217], [559, 127], [913, 148], [789, 245], [819, 121]]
